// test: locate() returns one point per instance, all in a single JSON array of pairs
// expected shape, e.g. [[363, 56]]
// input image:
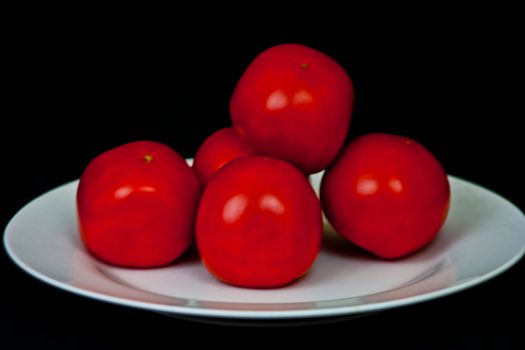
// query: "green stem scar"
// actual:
[[304, 65], [148, 158]]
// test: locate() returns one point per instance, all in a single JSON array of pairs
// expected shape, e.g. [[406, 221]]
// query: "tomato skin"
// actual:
[[259, 223], [218, 149], [387, 194], [294, 103], [136, 205]]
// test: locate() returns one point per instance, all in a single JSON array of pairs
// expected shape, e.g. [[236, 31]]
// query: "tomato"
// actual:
[[136, 205], [221, 147], [387, 194], [259, 223], [294, 103]]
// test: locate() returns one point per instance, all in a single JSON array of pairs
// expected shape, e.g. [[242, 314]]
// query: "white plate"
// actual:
[[483, 236]]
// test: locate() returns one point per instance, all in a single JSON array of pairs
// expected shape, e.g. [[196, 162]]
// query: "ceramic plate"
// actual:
[[483, 236]]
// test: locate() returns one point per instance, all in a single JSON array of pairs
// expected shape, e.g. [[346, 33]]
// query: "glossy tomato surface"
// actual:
[[136, 205], [387, 194], [294, 103], [259, 223], [218, 149]]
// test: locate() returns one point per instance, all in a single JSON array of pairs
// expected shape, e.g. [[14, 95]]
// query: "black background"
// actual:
[[90, 78]]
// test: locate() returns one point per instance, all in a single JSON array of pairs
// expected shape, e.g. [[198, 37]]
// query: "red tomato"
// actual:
[[259, 223], [136, 205], [387, 194], [294, 103], [221, 147]]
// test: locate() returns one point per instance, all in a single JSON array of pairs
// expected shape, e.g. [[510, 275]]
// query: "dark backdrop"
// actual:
[[90, 78]]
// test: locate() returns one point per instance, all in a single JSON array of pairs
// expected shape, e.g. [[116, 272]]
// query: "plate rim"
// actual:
[[317, 312]]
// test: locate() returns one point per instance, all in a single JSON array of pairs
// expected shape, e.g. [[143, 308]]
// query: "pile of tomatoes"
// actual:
[[247, 200]]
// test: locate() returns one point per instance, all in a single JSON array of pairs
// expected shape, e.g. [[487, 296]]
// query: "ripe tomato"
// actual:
[[221, 147], [259, 223], [294, 103], [136, 205], [387, 194]]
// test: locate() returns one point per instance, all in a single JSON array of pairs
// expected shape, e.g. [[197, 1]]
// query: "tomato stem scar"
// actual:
[[304, 65], [148, 157]]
